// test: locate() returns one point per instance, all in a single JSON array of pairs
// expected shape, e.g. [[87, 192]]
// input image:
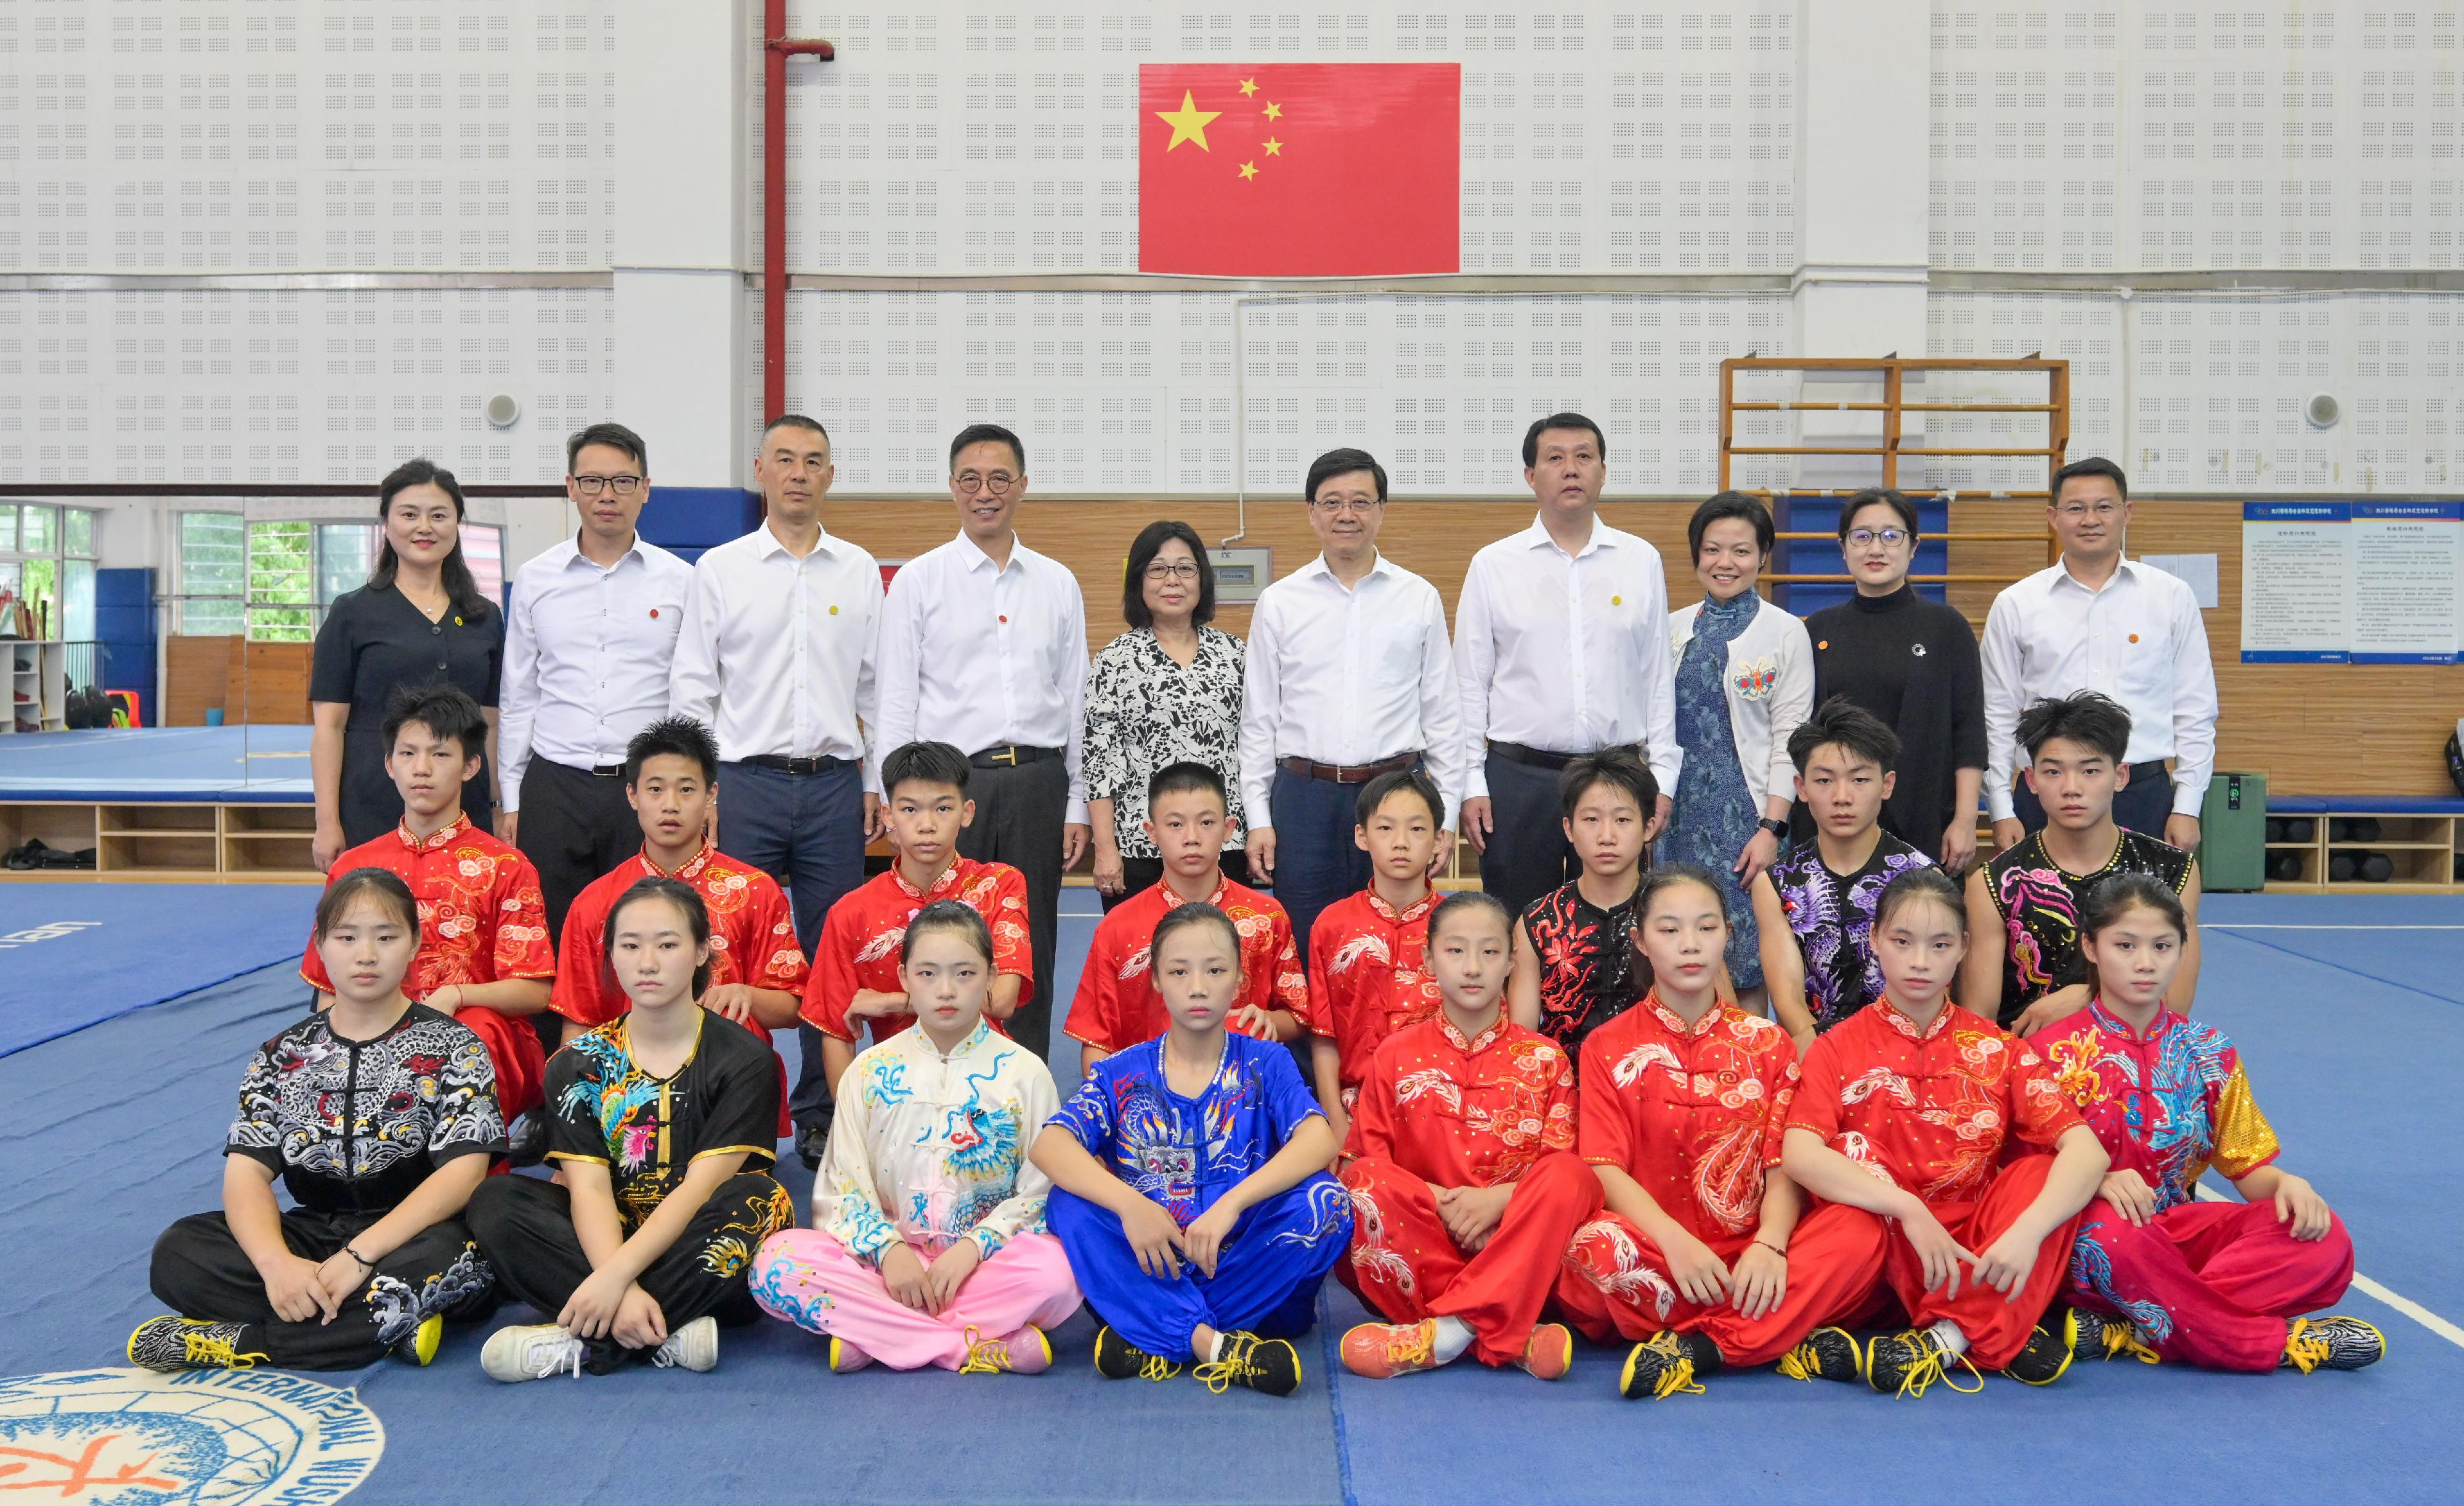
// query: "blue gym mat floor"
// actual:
[[159, 763], [2350, 1012]]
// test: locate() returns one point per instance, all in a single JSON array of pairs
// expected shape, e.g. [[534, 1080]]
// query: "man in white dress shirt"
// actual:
[[1350, 676], [777, 656], [983, 647], [1561, 641], [2095, 620], [590, 636]]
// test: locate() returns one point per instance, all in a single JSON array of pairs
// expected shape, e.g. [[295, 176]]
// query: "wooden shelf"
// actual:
[[192, 842], [2421, 847]]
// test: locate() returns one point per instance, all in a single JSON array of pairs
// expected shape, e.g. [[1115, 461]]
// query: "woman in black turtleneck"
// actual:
[[1912, 663]]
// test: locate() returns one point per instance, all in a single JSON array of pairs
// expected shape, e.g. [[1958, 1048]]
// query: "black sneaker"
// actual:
[[526, 1140], [813, 1144], [1668, 1365], [2048, 1351], [1906, 1363], [1827, 1354], [1268, 1366], [1116, 1359], [2102, 1336], [2333, 1344], [189, 1343]]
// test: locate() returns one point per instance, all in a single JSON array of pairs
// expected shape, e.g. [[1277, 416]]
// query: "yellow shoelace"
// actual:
[[1158, 1369], [1412, 1348], [2120, 1339], [2306, 1352], [1678, 1376], [210, 1350], [985, 1356], [1237, 1365], [1801, 1364], [1933, 1364]]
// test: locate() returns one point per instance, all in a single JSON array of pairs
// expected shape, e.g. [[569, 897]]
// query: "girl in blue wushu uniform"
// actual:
[[1190, 1185]]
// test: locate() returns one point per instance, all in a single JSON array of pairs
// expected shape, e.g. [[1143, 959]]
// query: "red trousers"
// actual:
[[1997, 1328], [1406, 1265], [2208, 1283], [1622, 1285], [513, 1050]]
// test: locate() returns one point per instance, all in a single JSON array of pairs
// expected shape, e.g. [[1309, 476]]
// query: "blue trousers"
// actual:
[[1266, 1280], [1316, 861], [806, 831]]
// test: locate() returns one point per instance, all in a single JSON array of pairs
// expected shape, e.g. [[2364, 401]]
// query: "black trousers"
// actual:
[[2142, 805], [1528, 853], [1019, 812], [1138, 874], [526, 1227], [576, 827], [200, 1271]]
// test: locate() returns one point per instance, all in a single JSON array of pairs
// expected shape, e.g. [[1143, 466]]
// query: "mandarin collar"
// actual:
[[1907, 1027], [443, 837], [1487, 1039]]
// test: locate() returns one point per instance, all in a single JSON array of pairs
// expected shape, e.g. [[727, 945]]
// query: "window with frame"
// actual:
[[274, 578], [46, 560]]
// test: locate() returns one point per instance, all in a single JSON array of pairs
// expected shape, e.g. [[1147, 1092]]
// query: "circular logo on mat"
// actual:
[[229, 1438]]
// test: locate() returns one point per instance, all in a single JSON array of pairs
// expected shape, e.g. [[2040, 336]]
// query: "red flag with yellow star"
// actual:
[[1299, 169]]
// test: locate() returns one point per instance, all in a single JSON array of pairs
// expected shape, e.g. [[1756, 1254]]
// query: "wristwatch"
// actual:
[[1773, 825]]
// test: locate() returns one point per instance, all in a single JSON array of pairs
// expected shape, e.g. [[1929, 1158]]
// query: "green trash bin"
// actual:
[[2233, 834]]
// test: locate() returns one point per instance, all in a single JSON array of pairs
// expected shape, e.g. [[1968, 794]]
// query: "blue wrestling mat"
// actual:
[[2355, 1073], [74, 954], [226, 764]]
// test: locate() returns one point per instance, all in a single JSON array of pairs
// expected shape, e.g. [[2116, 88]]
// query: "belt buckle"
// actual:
[[1006, 755]]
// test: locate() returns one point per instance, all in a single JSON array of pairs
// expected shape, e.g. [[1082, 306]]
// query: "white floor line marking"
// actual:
[[2254, 926], [2396, 1299]]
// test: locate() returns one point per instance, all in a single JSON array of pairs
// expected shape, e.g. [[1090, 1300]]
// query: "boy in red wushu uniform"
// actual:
[[2156, 1273], [855, 984], [1118, 1006], [1705, 1252], [1905, 1111], [484, 957], [756, 970], [1465, 1186], [1367, 964]]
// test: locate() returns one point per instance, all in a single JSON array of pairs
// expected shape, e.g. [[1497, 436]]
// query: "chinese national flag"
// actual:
[[1299, 169]]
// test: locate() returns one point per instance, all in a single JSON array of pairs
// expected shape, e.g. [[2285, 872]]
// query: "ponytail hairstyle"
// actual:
[[688, 903], [381, 885], [455, 571], [1194, 913], [1657, 882], [2115, 897], [951, 915], [1465, 901], [1913, 884]]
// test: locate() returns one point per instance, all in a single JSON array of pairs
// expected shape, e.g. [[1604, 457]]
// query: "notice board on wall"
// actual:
[[2352, 583]]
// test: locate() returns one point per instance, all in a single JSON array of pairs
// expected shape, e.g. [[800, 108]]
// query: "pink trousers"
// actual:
[[810, 1279]]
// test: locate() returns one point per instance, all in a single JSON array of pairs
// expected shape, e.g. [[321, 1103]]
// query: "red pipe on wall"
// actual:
[[777, 47]]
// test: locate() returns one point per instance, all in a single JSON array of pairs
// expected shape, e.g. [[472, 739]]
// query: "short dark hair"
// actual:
[[1185, 777], [955, 915], [443, 708], [615, 436], [676, 892], [2084, 718], [2113, 898], [1885, 496], [1616, 767], [923, 763], [987, 433], [1730, 504], [1372, 794], [1540, 426], [1926, 883], [2092, 466], [1196, 912], [796, 420], [1463, 902], [1143, 550], [1342, 463], [1839, 721], [381, 884], [673, 737]]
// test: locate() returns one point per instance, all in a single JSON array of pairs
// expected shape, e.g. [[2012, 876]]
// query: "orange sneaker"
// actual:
[[1549, 1352], [1383, 1351]]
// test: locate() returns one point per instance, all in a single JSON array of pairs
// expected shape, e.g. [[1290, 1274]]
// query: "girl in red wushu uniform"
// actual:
[[2156, 1273], [1905, 1111], [1702, 1253], [1368, 959], [1465, 1186]]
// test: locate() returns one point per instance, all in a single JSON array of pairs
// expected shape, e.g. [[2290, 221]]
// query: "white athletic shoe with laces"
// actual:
[[693, 1347], [532, 1353]]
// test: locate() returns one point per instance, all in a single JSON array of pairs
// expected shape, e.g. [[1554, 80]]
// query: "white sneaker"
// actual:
[[693, 1347], [532, 1353]]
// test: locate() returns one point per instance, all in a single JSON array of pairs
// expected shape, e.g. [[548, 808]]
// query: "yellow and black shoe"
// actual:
[[420, 1347], [1271, 1366], [1827, 1354], [189, 1343], [2332, 1344], [2102, 1336], [2048, 1351], [1116, 1359], [1669, 1365], [1906, 1363]]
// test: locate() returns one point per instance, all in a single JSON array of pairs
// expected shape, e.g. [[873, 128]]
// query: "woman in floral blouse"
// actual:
[[1166, 691]]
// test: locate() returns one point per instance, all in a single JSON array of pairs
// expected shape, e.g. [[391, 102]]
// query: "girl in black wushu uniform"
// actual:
[[379, 1117]]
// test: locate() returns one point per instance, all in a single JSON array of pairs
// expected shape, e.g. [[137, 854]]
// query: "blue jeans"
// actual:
[[1316, 861], [806, 831]]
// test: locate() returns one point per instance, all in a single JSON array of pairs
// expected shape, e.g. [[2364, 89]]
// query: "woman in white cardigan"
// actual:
[[1744, 680]]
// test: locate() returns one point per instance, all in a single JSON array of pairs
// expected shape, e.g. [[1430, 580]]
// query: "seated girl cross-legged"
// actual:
[[928, 1243]]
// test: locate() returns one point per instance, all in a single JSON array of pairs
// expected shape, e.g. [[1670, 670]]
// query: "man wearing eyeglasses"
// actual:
[[983, 647], [2095, 620], [590, 636], [1350, 676]]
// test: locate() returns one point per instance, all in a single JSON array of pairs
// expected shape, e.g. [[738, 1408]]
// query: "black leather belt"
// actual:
[[607, 771], [1347, 772], [1539, 758], [1009, 756], [800, 766]]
